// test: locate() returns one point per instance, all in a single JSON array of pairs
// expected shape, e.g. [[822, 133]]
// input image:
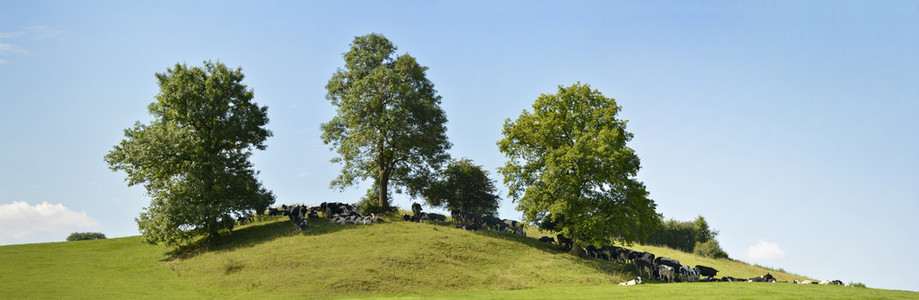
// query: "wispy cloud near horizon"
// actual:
[[20, 221]]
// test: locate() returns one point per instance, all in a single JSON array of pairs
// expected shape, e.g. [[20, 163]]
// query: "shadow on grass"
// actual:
[[252, 235]]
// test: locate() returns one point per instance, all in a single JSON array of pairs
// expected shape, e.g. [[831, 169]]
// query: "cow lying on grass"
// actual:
[[635, 281]]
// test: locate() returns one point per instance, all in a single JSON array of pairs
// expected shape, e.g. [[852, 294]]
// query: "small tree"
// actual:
[[84, 236], [703, 232], [464, 186]]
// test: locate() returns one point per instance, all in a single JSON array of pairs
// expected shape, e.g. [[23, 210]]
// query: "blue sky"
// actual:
[[791, 126]]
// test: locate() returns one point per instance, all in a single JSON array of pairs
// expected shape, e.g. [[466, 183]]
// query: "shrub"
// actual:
[[857, 284], [83, 236], [711, 248], [676, 235]]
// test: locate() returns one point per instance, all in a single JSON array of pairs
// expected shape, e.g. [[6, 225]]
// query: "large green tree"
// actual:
[[193, 158], [389, 126], [569, 161], [464, 186]]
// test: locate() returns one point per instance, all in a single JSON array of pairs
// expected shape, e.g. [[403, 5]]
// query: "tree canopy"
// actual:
[[568, 160], [464, 186], [388, 124], [193, 158]]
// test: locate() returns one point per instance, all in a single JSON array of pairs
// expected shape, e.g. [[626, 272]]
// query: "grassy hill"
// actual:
[[271, 259]]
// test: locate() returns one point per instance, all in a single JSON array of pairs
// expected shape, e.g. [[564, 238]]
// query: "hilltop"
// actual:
[[272, 259]]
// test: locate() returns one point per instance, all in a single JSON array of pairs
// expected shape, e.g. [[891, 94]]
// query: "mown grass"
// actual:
[[394, 259]]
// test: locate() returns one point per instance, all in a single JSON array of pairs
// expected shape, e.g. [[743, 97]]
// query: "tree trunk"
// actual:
[[384, 193], [212, 233], [575, 248]]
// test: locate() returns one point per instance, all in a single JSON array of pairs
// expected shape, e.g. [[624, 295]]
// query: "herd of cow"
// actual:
[[665, 269], [662, 268], [336, 212]]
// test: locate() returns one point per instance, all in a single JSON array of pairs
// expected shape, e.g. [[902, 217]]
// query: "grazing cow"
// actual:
[[547, 240], [765, 278], [564, 242], [673, 263], [591, 251], [622, 254], [645, 266], [707, 271], [493, 223], [666, 272], [416, 209], [646, 256], [635, 281]]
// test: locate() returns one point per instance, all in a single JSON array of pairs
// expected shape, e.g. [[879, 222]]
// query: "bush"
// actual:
[[84, 236], [711, 248], [685, 236], [857, 284], [676, 235]]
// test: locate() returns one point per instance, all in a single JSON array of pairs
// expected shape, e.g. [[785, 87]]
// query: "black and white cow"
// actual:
[[666, 273], [470, 227], [832, 282], [410, 218], [547, 240], [564, 242], [645, 266], [765, 278], [707, 271], [689, 274], [303, 224], [673, 263], [416, 210], [635, 281], [433, 217]]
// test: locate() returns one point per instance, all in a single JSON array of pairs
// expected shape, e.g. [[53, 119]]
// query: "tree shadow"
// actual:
[[252, 235]]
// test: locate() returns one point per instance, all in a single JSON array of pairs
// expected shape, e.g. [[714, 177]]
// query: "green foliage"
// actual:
[[569, 157], [388, 124], [687, 236], [466, 187], [676, 235], [703, 232], [370, 202], [857, 284], [710, 248], [193, 158], [84, 236]]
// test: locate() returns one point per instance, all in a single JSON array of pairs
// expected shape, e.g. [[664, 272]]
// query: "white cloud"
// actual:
[[31, 33], [765, 251], [21, 221], [41, 32], [11, 49]]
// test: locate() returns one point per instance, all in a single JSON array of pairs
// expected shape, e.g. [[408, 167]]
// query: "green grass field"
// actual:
[[393, 259]]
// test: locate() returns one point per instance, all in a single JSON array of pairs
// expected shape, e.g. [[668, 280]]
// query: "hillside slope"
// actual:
[[271, 259]]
